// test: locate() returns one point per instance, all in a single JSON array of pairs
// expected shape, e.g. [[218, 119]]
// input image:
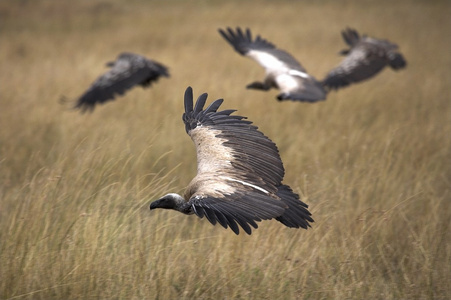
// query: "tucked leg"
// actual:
[[258, 86]]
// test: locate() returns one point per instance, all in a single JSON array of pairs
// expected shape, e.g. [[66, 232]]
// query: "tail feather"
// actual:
[[350, 36], [297, 214]]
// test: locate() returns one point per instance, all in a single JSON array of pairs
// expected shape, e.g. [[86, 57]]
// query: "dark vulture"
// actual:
[[366, 57], [128, 70], [283, 71], [239, 173]]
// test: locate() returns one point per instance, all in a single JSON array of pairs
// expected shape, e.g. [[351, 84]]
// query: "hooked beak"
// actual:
[[155, 204]]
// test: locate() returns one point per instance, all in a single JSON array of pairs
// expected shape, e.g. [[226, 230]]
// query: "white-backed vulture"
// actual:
[[366, 57], [283, 71], [128, 70], [239, 173]]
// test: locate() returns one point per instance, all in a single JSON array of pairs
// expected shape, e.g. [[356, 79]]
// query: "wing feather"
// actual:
[[188, 99], [200, 103], [210, 215], [241, 208], [213, 107], [219, 216], [350, 36]]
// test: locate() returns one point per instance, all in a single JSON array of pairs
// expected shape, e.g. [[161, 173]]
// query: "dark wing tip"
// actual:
[[222, 32], [350, 31], [242, 40], [350, 36], [236, 39], [188, 99], [84, 107], [213, 107], [200, 103], [297, 214], [91, 98], [335, 82], [193, 117], [234, 221]]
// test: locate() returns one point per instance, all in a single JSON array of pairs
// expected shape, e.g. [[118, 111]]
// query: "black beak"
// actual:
[[155, 204]]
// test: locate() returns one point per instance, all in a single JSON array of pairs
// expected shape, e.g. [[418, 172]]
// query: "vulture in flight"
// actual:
[[239, 173], [366, 57], [283, 71], [128, 70]]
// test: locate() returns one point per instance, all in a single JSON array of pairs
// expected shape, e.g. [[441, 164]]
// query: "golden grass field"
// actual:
[[373, 161]]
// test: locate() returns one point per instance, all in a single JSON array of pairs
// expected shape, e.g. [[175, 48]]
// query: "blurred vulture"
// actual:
[[366, 57], [128, 70], [239, 173], [283, 71]]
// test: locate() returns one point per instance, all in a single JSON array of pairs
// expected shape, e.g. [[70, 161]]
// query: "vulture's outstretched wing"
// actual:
[[366, 57], [126, 72], [283, 71], [239, 171]]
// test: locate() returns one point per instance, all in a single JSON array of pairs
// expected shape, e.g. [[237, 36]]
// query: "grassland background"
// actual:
[[373, 161]]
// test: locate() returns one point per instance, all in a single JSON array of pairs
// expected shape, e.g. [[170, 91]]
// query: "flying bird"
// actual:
[[283, 71], [365, 58], [239, 173], [127, 71]]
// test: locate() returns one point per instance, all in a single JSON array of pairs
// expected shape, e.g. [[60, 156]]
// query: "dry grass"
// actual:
[[373, 161]]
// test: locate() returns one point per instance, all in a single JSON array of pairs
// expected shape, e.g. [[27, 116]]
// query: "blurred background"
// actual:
[[372, 161]]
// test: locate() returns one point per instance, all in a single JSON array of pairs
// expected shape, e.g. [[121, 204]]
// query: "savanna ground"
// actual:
[[373, 161]]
